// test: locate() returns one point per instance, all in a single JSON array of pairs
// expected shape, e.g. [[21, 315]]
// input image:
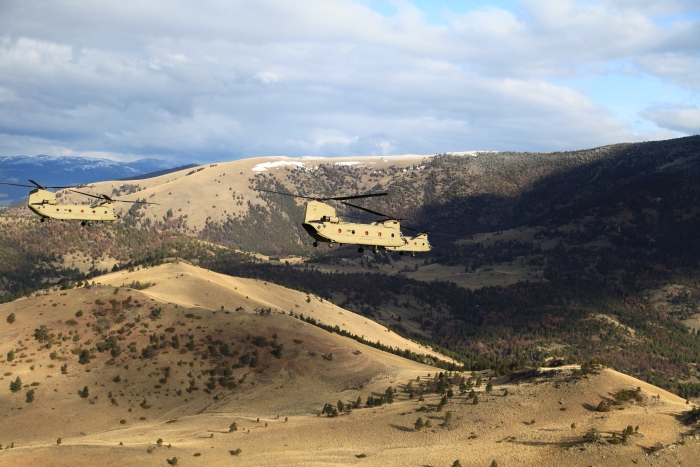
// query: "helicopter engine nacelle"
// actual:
[[317, 211], [37, 196]]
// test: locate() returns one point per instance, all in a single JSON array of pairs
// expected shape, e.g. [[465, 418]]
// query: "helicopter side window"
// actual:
[[340, 230], [379, 234], [353, 232], [366, 233], [392, 235]]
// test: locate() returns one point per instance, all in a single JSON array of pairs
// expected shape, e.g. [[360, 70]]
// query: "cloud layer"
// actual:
[[200, 82]]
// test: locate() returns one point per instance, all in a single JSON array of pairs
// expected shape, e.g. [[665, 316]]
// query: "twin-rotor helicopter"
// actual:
[[43, 203], [320, 219], [323, 224]]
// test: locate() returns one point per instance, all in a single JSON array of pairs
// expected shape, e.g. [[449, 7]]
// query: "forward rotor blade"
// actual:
[[323, 198], [288, 194], [365, 209], [134, 202]]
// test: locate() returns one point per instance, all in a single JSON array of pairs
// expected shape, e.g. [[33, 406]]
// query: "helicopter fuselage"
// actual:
[[322, 223], [43, 203]]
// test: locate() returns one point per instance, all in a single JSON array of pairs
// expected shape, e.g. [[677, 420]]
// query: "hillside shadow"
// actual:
[[589, 407], [401, 428], [581, 180], [570, 443]]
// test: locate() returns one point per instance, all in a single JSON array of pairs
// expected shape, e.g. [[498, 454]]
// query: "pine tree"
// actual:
[[476, 400], [30, 396], [489, 387], [11, 318], [419, 424], [85, 393], [16, 385], [233, 427]]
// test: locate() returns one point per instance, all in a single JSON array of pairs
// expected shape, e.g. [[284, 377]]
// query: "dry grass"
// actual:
[[295, 386]]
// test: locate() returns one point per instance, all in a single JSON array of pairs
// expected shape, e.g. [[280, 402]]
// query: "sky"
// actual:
[[221, 80]]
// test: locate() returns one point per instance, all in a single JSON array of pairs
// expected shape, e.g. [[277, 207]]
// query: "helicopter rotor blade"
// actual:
[[88, 194], [323, 198], [369, 195], [127, 201], [16, 184], [365, 209], [287, 194], [56, 187]]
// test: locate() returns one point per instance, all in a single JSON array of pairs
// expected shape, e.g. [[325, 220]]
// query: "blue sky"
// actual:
[[212, 81]]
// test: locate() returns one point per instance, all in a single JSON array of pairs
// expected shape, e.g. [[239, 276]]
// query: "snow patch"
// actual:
[[274, 165]]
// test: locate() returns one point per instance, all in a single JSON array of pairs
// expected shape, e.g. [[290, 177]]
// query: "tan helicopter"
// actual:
[[323, 224], [43, 203]]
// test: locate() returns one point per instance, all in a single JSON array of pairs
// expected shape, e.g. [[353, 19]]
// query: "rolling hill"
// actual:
[[198, 351]]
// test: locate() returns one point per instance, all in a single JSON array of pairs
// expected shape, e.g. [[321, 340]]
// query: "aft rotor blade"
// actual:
[[45, 187], [16, 184], [365, 209], [88, 194], [369, 195]]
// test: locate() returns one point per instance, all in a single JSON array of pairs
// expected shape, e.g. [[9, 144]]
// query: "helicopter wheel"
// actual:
[[315, 244], [401, 253], [42, 219], [82, 224], [360, 250], [375, 251], [413, 254], [330, 245]]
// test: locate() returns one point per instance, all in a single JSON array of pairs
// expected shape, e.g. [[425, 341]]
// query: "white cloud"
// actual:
[[268, 77], [681, 118], [175, 79]]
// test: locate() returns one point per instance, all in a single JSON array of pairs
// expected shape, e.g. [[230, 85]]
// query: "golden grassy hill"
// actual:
[[216, 191], [223, 367]]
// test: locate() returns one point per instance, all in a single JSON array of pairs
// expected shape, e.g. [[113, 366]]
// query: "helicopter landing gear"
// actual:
[[83, 224], [360, 250], [375, 251], [413, 254], [401, 253], [331, 244], [315, 244]]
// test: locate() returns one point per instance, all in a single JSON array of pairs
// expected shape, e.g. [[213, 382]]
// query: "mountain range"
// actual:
[[66, 170]]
